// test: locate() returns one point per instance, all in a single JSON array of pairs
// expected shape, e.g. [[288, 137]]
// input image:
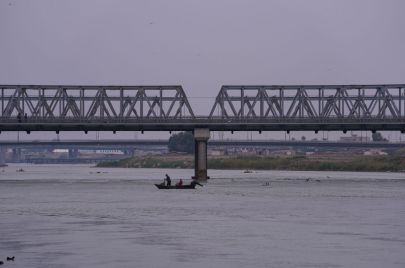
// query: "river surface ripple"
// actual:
[[81, 216]]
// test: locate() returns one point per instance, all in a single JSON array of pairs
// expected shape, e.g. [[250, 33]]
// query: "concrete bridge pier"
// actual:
[[2, 156], [73, 153], [17, 155], [201, 136]]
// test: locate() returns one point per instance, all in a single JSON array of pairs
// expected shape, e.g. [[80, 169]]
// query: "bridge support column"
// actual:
[[201, 136], [2, 156], [73, 153], [17, 155]]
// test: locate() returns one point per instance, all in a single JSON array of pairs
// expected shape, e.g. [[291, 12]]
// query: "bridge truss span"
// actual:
[[94, 102], [236, 108], [310, 102]]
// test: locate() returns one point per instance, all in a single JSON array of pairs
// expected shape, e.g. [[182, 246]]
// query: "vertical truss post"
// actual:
[[242, 102], [261, 102], [141, 102], [399, 102]]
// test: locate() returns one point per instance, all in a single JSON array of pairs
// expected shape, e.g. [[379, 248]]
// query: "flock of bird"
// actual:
[[8, 259]]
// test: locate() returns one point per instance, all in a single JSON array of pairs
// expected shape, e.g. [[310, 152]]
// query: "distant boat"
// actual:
[[247, 171], [20, 170], [188, 186]]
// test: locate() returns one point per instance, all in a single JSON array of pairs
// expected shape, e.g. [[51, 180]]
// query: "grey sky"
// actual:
[[202, 44]]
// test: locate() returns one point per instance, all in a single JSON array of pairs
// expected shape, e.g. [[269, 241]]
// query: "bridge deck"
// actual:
[[119, 144], [214, 124]]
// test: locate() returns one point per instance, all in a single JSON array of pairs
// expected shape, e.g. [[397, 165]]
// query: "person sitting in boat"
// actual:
[[168, 180], [180, 183]]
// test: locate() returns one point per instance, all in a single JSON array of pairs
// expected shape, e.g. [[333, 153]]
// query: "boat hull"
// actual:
[[189, 186]]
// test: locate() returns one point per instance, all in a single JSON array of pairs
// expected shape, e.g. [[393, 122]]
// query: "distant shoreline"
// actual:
[[291, 163]]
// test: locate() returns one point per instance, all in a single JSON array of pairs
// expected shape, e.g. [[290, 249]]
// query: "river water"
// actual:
[[82, 216]]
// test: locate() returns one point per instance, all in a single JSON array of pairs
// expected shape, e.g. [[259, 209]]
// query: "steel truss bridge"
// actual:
[[236, 108]]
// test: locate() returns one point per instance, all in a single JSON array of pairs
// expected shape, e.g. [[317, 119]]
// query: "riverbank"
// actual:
[[349, 163]]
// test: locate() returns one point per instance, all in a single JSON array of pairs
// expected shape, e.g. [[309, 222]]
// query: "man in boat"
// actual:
[[168, 180]]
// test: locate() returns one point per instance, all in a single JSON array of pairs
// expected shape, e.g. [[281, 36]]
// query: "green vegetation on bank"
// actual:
[[182, 142], [369, 163], [355, 163]]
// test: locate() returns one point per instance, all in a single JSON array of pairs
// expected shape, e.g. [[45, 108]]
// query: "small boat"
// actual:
[[187, 186]]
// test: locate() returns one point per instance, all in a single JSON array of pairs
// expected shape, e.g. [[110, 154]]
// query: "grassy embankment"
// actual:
[[353, 163]]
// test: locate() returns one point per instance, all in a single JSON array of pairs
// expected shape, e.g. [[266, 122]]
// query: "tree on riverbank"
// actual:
[[182, 142], [378, 137]]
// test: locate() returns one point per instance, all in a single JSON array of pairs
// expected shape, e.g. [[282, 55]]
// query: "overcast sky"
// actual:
[[202, 45]]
